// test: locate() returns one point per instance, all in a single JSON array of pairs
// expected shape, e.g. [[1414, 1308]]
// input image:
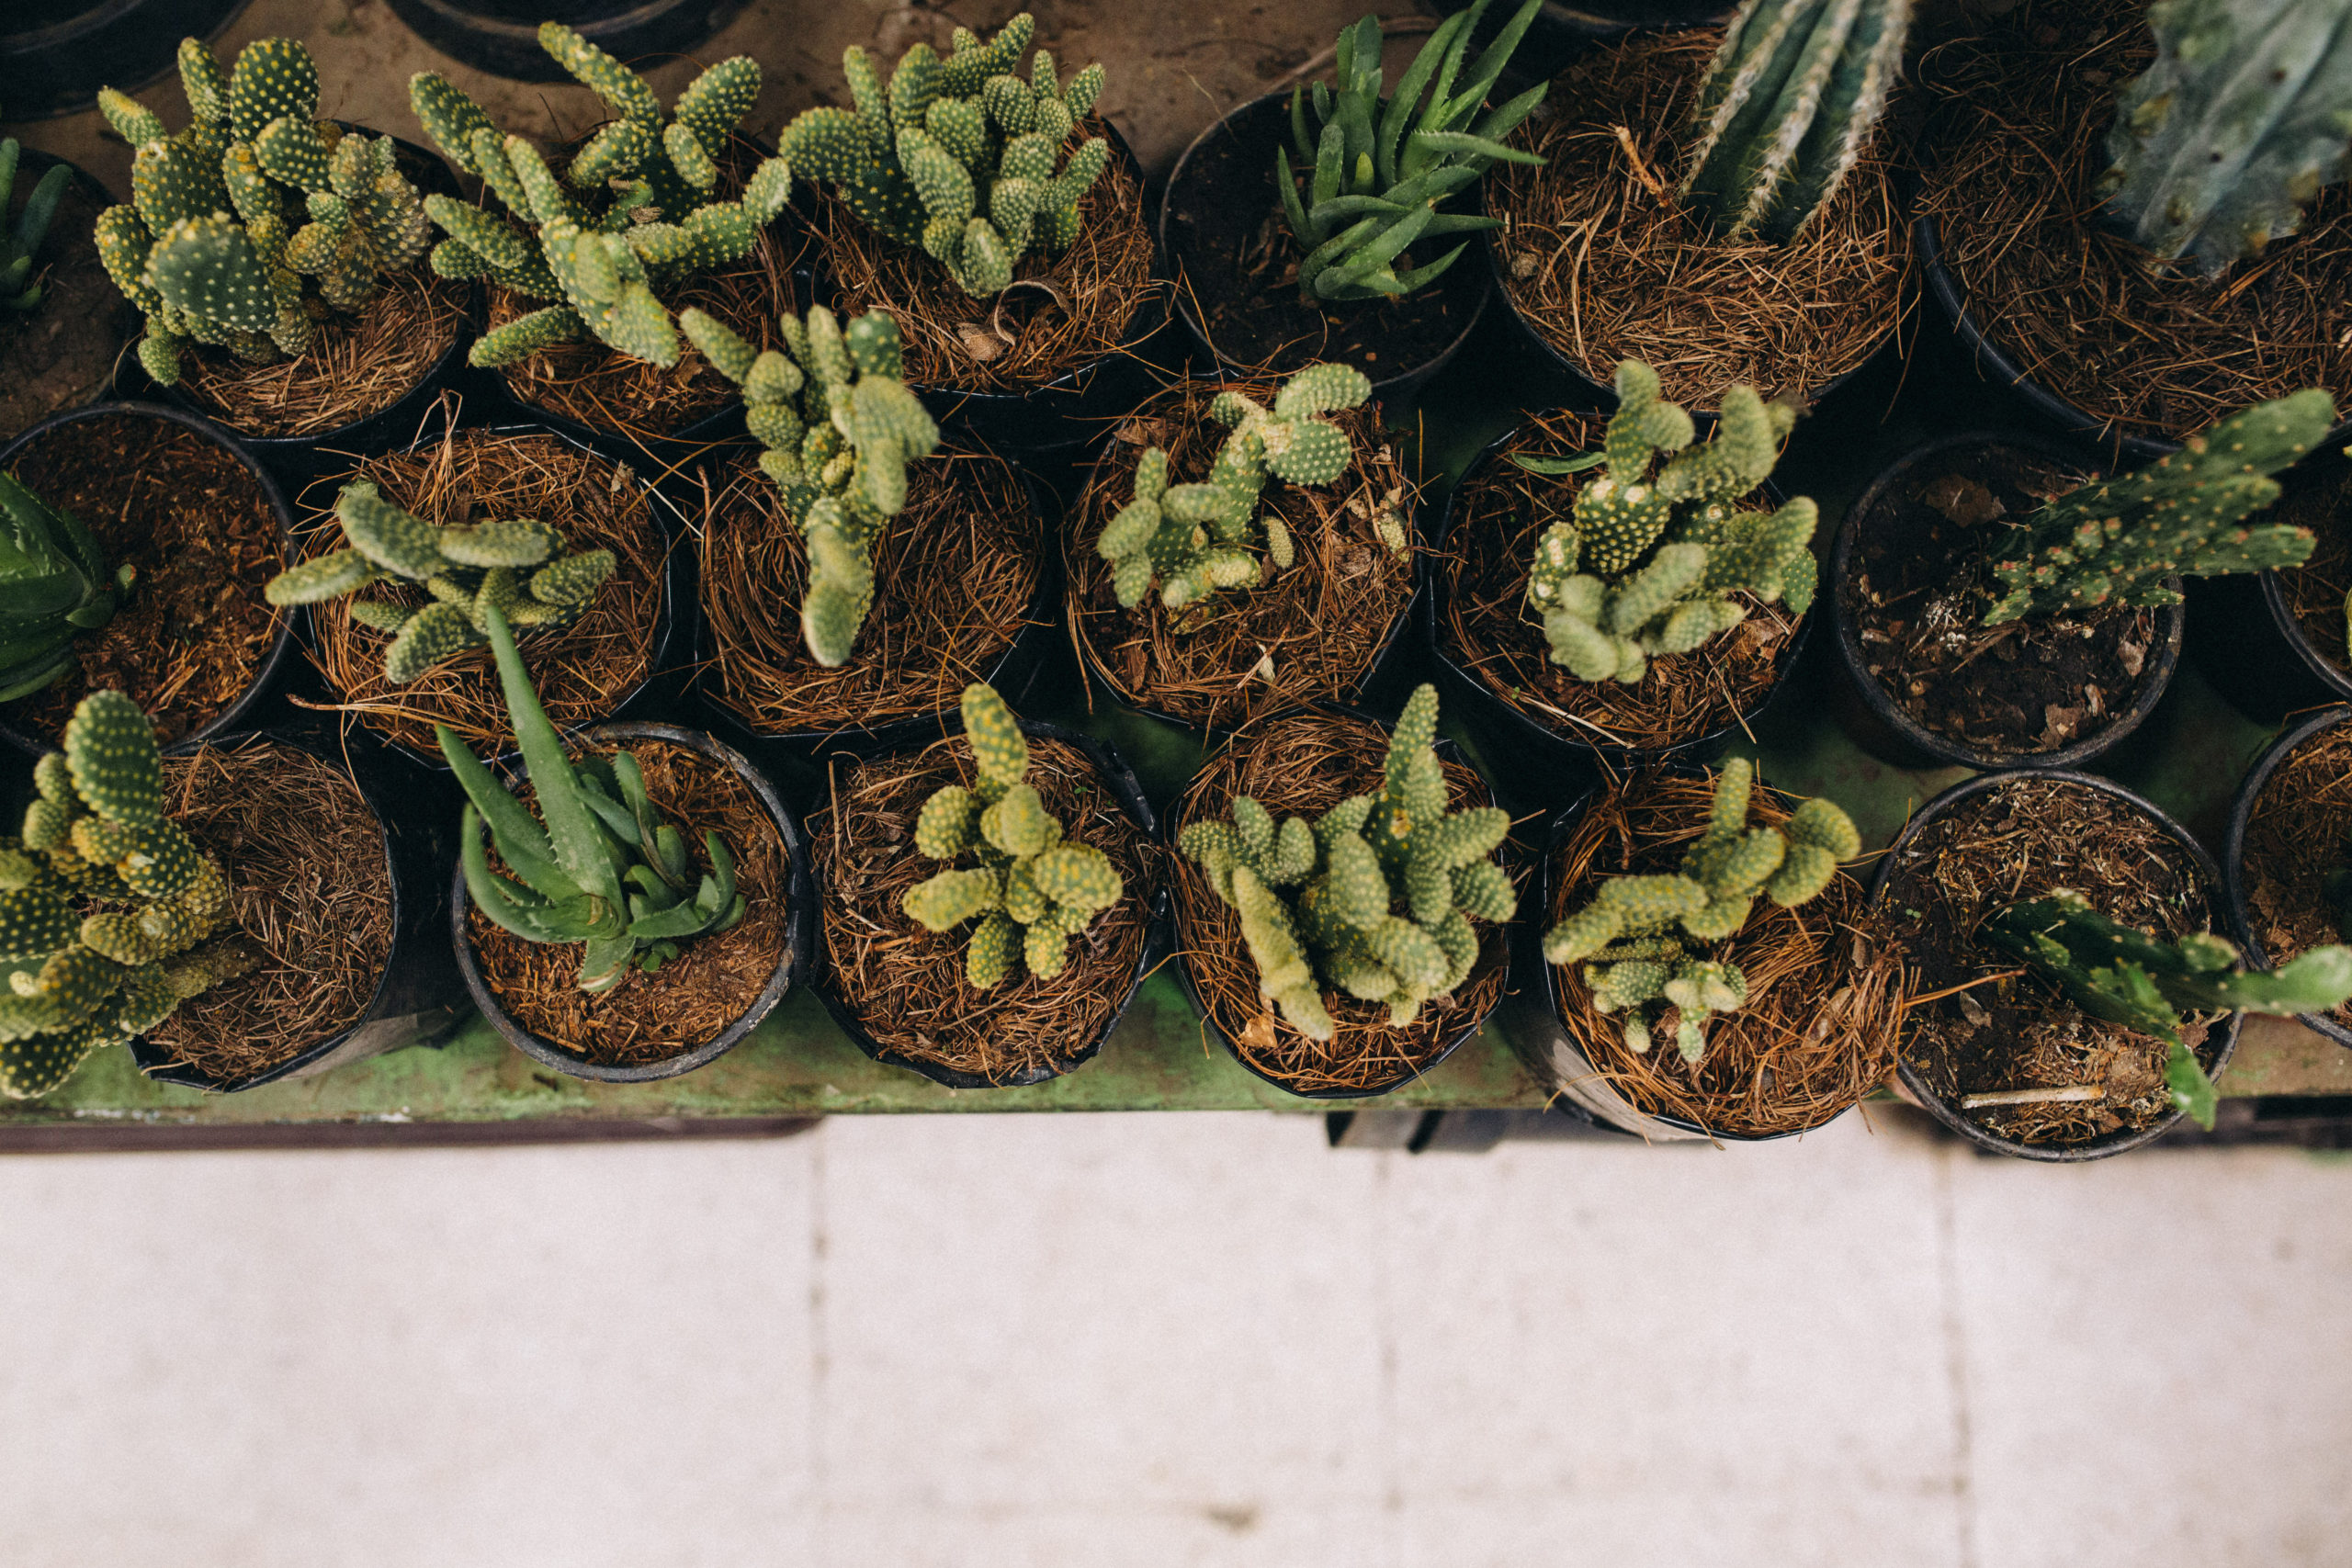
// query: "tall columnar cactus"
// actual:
[[510, 566], [599, 866], [228, 216], [2183, 515], [635, 210], [1316, 902], [2129, 977], [111, 915], [1647, 934], [1378, 173], [839, 427], [2244, 115], [1196, 538], [958, 155], [53, 585], [1032, 891], [1787, 107], [1646, 563], [21, 291]]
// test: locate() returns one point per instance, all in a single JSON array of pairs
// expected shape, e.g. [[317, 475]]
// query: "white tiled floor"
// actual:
[[1115, 1340]]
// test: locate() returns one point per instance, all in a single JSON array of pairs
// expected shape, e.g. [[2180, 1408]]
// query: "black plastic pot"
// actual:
[[101, 321], [2233, 853], [250, 708], [1950, 1114], [2248, 642], [501, 37], [1120, 781], [800, 892], [419, 997], [55, 57], [1888, 730], [1260, 125]]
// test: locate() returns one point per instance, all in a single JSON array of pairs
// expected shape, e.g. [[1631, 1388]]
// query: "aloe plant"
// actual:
[[53, 585], [19, 290]]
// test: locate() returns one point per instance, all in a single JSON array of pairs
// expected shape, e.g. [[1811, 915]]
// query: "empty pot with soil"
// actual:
[[2287, 860], [64, 325]]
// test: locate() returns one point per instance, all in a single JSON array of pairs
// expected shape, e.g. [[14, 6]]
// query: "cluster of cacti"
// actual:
[[1645, 934], [1196, 538], [228, 216], [1378, 168], [1646, 563], [599, 865], [2246, 115], [1032, 891], [109, 910], [635, 210], [19, 289], [1786, 108], [839, 427], [509, 566], [53, 585], [1316, 901], [2127, 977], [2118, 539], [957, 155]]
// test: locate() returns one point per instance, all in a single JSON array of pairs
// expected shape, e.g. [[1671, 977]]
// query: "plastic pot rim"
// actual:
[[2234, 878]]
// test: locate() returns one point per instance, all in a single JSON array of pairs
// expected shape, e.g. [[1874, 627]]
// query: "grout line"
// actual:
[[1956, 1355], [819, 1348]]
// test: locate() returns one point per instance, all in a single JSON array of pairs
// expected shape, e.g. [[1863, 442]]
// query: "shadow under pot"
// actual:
[[696, 1006], [962, 592], [339, 883], [202, 526], [1815, 1035], [1533, 715], [1302, 762], [1326, 630], [2275, 642], [2290, 829], [901, 992], [61, 352], [1600, 259], [1999, 1055], [1911, 580], [598, 664]]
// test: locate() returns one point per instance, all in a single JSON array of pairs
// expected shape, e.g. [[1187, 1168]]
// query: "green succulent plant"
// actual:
[[53, 586], [111, 915], [598, 866], [1648, 936], [635, 210], [1318, 900], [1033, 890], [957, 155], [20, 290]]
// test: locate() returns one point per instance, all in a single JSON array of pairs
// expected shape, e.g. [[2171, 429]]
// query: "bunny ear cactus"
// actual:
[[111, 915], [2118, 539], [839, 427], [511, 566], [1032, 891], [1648, 563], [1319, 901], [2246, 115], [958, 156], [1646, 935], [53, 585], [20, 290]]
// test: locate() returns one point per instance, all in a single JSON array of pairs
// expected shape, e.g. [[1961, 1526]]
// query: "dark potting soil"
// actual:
[[2315, 590], [2301, 829], [2019, 840], [59, 354], [196, 526], [1922, 581]]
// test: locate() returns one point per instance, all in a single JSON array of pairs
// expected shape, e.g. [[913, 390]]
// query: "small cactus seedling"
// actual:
[[957, 155], [635, 210], [1380, 168], [2183, 515], [21, 289], [1032, 890], [229, 217], [1646, 935], [111, 915], [839, 427], [53, 585], [511, 566], [1195, 538], [1646, 563], [2127, 977], [598, 866], [1318, 900]]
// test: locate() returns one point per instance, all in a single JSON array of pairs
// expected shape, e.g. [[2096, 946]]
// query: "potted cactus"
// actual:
[[1341, 942], [1717, 202], [1203, 599], [2288, 856], [1003, 951], [1322, 224], [1992, 611]]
